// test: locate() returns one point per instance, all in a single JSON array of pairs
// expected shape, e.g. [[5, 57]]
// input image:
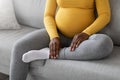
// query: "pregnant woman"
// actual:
[[70, 34]]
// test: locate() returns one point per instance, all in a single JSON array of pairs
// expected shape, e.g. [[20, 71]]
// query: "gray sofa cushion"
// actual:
[[106, 69], [7, 39], [30, 12], [113, 29]]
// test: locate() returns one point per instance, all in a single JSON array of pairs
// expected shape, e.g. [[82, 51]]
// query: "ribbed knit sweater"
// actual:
[[71, 17]]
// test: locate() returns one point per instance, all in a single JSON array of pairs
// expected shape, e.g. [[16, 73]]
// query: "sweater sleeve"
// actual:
[[49, 18], [103, 11]]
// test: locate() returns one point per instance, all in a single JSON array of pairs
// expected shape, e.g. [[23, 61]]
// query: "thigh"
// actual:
[[35, 40], [96, 47]]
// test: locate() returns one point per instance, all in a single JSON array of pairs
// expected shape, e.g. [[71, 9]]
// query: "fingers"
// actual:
[[51, 51], [54, 51], [78, 43], [57, 51], [73, 46], [78, 38], [75, 43]]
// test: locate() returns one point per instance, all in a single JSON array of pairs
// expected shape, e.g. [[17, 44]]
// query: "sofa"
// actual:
[[29, 14]]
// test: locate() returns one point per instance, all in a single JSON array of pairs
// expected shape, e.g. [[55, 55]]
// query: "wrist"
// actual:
[[83, 33], [55, 38]]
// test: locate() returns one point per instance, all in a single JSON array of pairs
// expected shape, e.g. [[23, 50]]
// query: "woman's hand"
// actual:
[[77, 40], [54, 46]]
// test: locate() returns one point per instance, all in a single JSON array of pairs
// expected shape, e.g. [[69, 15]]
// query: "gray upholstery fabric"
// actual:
[[102, 47], [7, 39], [113, 29], [30, 12], [106, 69]]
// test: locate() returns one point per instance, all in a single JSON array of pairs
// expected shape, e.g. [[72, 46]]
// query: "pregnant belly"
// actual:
[[71, 21]]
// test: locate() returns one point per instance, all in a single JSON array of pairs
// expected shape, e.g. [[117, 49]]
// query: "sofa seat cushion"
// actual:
[[7, 39], [106, 69]]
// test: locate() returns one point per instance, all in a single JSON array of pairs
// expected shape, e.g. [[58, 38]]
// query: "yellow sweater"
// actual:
[[74, 16]]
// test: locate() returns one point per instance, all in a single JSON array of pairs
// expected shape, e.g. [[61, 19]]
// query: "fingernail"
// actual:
[[76, 45], [72, 49], [52, 57], [56, 55]]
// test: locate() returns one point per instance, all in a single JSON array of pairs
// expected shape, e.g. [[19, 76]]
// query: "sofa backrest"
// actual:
[[113, 28], [30, 12]]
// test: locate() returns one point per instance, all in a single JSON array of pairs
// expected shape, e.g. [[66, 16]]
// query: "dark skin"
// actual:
[[55, 44]]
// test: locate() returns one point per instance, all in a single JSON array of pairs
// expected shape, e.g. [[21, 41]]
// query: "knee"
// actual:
[[18, 49], [96, 47], [19, 45], [33, 40], [104, 45], [102, 39]]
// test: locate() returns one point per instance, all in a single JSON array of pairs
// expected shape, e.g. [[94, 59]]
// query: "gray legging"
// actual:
[[96, 47]]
